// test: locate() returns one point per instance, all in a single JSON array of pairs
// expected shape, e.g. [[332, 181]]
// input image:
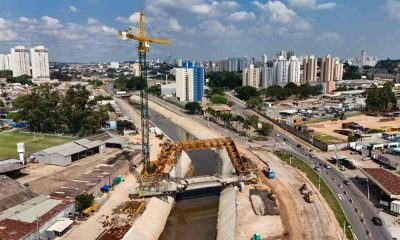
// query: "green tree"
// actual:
[[246, 92], [23, 79], [156, 90], [192, 107], [266, 129], [277, 92], [380, 99], [229, 80], [83, 201], [217, 90], [2, 104], [216, 98], [125, 125], [291, 88], [254, 102]]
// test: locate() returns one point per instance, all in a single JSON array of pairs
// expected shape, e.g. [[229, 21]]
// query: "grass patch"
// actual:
[[326, 138], [330, 118], [325, 191], [33, 143]]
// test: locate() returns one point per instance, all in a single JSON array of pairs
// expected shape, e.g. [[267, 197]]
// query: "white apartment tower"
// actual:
[[251, 76], [5, 62], [40, 63], [327, 69], [281, 71], [20, 61], [267, 76], [294, 70], [338, 71], [309, 69]]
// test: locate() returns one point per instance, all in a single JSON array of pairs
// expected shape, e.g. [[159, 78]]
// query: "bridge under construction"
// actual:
[[157, 177]]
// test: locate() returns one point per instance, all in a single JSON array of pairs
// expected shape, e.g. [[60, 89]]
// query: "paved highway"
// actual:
[[358, 209]]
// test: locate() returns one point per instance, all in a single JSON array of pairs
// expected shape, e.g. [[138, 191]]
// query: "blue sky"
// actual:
[[86, 31]]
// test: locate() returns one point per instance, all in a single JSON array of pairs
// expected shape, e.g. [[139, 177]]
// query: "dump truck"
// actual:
[[309, 197], [272, 194]]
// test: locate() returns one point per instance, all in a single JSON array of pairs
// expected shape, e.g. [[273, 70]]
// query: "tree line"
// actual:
[[46, 110]]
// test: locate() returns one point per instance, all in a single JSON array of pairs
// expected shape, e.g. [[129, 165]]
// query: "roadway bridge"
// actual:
[[179, 185]]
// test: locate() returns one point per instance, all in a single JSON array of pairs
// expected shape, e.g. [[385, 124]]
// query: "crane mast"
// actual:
[[143, 47]]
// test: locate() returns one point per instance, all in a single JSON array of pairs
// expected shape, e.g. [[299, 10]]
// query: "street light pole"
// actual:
[[367, 188]]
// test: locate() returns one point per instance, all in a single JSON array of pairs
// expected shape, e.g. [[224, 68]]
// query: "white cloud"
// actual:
[[215, 28], [133, 18], [109, 30], [174, 25], [7, 35], [302, 25], [312, 4], [393, 8], [242, 16], [92, 21], [276, 10], [328, 36], [27, 20], [51, 21], [73, 9]]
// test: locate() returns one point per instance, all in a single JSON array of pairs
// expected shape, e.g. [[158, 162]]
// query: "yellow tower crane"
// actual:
[[143, 47]]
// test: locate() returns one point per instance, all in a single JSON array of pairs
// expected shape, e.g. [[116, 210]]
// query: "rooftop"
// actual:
[[13, 193], [389, 182]]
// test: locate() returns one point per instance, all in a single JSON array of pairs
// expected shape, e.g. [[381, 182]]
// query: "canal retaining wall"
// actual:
[[182, 166], [227, 214], [227, 166], [150, 224]]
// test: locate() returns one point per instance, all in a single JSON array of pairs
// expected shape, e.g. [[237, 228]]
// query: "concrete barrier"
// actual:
[[182, 166], [227, 215], [227, 166], [151, 224]]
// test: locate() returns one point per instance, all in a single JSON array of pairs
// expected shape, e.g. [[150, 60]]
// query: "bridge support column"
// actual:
[[227, 166], [182, 165]]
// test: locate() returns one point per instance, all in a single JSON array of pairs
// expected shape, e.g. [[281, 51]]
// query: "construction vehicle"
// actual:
[[143, 47], [272, 195], [309, 197], [303, 189], [269, 173]]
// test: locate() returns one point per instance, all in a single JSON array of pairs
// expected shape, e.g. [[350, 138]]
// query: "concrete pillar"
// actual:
[[182, 165], [227, 166]]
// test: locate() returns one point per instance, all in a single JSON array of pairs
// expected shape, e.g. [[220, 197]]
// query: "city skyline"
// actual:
[[84, 32]]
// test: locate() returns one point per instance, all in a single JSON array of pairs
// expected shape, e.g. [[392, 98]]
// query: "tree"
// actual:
[[216, 98], [266, 129], [192, 107], [351, 72], [125, 125], [246, 92], [291, 88], [23, 79], [381, 99], [276, 92], [254, 102], [2, 104], [60, 76], [83, 201], [217, 90], [229, 80], [156, 90]]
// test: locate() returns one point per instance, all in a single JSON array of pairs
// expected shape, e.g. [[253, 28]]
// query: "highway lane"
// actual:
[[355, 205]]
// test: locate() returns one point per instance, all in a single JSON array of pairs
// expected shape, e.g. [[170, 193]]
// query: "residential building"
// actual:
[[264, 59], [338, 71], [282, 54], [327, 69], [20, 61], [309, 69], [365, 60], [114, 65], [40, 63], [251, 76], [189, 82], [233, 64], [136, 69], [281, 71], [244, 62], [267, 76], [294, 70]]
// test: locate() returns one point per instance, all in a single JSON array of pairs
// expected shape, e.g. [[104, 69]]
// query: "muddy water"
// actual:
[[193, 217]]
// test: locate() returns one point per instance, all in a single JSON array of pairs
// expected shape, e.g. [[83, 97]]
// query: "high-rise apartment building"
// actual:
[[40, 63], [337, 71], [294, 70], [363, 57], [114, 65], [327, 69], [251, 76], [309, 69], [264, 59], [281, 71], [282, 53], [5, 62], [233, 64], [189, 82], [267, 76], [20, 61]]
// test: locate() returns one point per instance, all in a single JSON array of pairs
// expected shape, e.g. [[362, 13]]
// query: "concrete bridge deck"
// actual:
[[179, 185]]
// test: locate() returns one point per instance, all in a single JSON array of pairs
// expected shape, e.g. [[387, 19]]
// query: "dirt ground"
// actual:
[[317, 219], [117, 197], [372, 122], [45, 179], [269, 226]]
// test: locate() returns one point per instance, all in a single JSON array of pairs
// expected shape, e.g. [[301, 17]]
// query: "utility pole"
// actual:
[[367, 188]]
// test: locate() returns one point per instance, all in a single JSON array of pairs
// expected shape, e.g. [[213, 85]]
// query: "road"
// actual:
[[353, 202]]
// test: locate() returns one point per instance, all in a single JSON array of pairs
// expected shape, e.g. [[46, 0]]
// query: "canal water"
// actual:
[[192, 218]]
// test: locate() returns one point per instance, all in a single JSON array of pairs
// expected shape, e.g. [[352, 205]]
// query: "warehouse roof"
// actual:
[[389, 182], [9, 167], [74, 147], [13, 193]]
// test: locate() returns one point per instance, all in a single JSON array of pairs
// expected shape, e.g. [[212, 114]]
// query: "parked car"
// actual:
[[312, 156], [377, 221], [328, 166], [347, 182], [317, 168], [298, 145]]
